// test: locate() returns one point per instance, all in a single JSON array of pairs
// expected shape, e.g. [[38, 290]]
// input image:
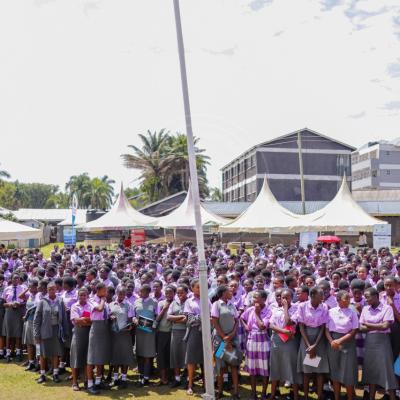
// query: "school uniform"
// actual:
[[163, 339], [145, 339], [343, 362], [395, 327], [80, 336], [178, 346], [313, 319], [121, 342], [283, 355], [12, 323], [226, 314], [2, 309], [194, 343], [258, 343], [48, 324], [69, 298], [27, 332], [360, 336], [99, 348], [378, 359]]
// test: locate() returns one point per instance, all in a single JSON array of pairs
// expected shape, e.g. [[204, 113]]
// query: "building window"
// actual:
[[387, 153], [374, 173], [388, 172]]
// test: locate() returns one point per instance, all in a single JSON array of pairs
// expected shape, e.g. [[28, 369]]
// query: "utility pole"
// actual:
[[205, 311], [303, 196]]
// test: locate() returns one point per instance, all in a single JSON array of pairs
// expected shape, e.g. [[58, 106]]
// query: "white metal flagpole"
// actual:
[[205, 311]]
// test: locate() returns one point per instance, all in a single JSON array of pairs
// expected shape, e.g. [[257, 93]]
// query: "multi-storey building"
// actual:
[[325, 160], [376, 165]]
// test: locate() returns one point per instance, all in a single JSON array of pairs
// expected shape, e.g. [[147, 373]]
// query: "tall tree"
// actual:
[[151, 160], [164, 165], [80, 186], [215, 194], [4, 174], [100, 194]]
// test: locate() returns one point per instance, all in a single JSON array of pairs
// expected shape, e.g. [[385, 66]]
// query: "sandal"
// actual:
[[189, 392], [76, 388]]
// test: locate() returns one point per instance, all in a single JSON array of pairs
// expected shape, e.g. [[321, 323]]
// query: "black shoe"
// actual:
[[30, 367], [56, 379], [19, 357], [175, 384], [8, 359], [102, 386], [61, 371], [41, 379], [146, 382], [114, 383], [93, 390]]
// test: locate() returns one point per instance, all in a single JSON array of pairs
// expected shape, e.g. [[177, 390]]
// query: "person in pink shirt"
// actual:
[[13, 324], [80, 319], [342, 355], [99, 351], [376, 319], [256, 321], [284, 345], [312, 316]]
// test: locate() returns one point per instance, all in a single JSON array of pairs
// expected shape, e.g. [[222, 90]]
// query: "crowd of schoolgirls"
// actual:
[[294, 319]]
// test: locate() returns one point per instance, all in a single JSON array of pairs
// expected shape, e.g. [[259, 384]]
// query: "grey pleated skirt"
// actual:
[[27, 333], [2, 312], [121, 348], [163, 349], [13, 323], [68, 331], [323, 367], [378, 361], [79, 346], [283, 360], [99, 348], [194, 347], [178, 348], [52, 347], [145, 344], [343, 364]]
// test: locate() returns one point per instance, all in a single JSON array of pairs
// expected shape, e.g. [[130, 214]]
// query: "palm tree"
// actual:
[[215, 194], [179, 160], [100, 194], [80, 185], [151, 161]]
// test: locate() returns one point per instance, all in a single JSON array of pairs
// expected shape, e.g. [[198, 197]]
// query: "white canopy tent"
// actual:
[[13, 231], [265, 214], [183, 216], [341, 214], [122, 216]]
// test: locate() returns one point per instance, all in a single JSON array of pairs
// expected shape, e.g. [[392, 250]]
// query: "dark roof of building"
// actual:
[[352, 148]]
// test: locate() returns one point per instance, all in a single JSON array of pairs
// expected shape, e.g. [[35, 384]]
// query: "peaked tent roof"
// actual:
[[121, 216], [341, 214], [183, 216], [13, 231], [265, 214]]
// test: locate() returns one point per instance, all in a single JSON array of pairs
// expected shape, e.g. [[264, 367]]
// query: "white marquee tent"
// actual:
[[341, 214], [265, 214], [183, 216], [121, 216], [13, 231]]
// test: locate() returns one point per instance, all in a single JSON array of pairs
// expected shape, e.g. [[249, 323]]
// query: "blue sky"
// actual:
[[80, 79]]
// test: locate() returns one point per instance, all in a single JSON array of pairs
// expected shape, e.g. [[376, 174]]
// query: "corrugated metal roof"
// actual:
[[44, 214]]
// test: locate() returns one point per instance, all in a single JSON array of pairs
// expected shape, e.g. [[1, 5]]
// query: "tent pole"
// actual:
[[205, 311]]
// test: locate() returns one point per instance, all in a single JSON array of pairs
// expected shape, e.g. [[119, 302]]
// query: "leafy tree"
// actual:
[[100, 193], [4, 174], [163, 162], [80, 186], [9, 217], [136, 197], [215, 194]]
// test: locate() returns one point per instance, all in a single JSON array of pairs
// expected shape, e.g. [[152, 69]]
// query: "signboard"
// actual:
[[138, 236], [307, 238], [382, 236], [69, 236]]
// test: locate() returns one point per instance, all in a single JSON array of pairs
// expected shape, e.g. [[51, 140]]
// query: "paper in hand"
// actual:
[[312, 362]]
